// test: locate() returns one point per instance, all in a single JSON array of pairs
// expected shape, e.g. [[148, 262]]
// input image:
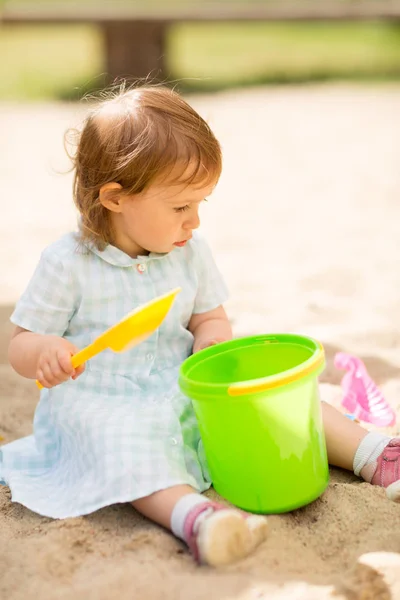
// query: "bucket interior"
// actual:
[[246, 361]]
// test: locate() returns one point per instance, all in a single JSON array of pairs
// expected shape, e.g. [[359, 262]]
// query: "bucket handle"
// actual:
[[268, 383]]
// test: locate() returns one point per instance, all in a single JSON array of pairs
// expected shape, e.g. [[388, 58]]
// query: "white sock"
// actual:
[[370, 448], [181, 510]]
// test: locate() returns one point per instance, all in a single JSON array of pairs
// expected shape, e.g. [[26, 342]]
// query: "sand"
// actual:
[[305, 226]]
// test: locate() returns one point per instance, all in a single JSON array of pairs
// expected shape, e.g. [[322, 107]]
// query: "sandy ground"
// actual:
[[305, 225]]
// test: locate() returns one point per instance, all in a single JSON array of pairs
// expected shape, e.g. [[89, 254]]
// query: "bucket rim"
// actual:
[[252, 386]]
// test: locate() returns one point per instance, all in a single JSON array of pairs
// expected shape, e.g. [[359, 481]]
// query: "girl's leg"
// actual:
[[373, 456], [343, 437], [159, 506], [216, 535]]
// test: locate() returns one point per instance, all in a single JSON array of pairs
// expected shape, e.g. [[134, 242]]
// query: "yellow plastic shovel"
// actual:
[[130, 331]]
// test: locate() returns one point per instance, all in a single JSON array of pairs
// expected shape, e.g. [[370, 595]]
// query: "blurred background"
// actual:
[[60, 49]]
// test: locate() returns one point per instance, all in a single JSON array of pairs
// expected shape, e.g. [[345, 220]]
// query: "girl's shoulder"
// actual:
[[66, 250]]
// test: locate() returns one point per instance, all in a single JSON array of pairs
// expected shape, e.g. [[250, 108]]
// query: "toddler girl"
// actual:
[[119, 430]]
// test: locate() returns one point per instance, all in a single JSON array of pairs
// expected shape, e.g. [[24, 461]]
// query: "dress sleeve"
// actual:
[[50, 299], [211, 290]]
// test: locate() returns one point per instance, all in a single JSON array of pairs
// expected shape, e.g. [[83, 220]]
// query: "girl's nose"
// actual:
[[192, 222]]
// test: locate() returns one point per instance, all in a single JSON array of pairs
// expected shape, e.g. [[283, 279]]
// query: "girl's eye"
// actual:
[[182, 208]]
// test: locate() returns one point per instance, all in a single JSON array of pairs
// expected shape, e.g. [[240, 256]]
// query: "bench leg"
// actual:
[[135, 50]]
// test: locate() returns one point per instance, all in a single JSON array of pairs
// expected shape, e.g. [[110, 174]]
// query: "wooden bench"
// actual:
[[135, 38]]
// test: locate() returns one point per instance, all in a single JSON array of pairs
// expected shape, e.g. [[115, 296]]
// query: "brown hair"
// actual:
[[132, 138]]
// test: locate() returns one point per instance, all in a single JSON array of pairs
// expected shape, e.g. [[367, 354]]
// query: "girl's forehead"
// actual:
[[174, 191]]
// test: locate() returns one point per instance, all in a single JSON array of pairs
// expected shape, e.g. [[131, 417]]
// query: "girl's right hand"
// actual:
[[54, 365]]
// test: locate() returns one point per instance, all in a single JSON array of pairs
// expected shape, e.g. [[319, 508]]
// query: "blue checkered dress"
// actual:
[[122, 430]]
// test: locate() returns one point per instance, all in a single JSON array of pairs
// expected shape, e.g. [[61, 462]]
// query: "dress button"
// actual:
[[174, 442], [141, 268], [149, 356]]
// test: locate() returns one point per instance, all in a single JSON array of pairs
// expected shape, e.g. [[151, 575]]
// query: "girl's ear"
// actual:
[[109, 196]]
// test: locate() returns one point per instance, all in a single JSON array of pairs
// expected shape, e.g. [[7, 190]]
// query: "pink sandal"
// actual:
[[386, 471]]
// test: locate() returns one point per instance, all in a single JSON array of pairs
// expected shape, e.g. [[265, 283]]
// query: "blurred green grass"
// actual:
[[66, 61], [46, 61], [233, 54]]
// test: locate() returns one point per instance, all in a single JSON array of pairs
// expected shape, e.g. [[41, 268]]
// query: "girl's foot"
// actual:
[[217, 535], [385, 470]]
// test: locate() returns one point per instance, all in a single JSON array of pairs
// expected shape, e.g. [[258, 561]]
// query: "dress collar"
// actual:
[[118, 258]]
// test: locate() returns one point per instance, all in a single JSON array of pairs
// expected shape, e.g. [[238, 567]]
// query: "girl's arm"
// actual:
[[210, 328], [43, 313], [24, 351]]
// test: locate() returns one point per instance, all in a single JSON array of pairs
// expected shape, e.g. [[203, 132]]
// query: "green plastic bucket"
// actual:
[[256, 400]]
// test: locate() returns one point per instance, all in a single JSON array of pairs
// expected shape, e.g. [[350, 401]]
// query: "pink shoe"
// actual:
[[362, 398], [217, 535], [385, 472]]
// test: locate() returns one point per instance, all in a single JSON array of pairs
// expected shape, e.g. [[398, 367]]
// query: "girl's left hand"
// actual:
[[202, 345]]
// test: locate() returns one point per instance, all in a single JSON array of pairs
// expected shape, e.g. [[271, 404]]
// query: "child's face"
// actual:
[[159, 219]]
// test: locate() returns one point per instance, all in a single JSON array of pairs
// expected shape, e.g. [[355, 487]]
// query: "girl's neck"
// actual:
[[130, 248]]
